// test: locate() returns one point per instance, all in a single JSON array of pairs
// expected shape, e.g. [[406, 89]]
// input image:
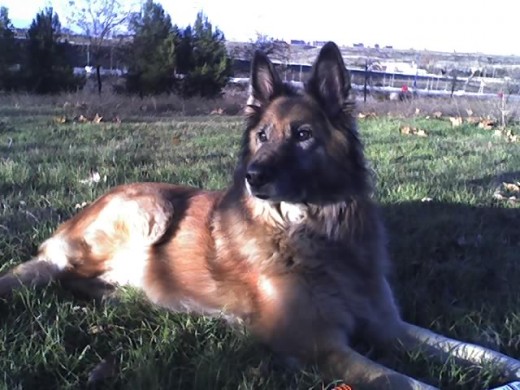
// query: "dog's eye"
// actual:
[[261, 136], [303, 134]]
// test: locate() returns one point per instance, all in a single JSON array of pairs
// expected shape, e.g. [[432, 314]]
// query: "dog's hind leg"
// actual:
[[360, 372], [91, 288], [32, 273], [442, 348], [50, 264]]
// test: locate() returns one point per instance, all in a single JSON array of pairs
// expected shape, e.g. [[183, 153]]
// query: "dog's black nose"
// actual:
[[256, 176]]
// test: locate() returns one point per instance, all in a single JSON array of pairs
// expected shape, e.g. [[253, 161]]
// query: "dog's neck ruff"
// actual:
[[326, 220], [278, 214]]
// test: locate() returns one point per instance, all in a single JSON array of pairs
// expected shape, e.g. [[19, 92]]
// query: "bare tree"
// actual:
[[272, 47], [276, 49], [99, 20]]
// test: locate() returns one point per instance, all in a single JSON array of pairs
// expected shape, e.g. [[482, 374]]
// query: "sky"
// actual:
[[490, 27]]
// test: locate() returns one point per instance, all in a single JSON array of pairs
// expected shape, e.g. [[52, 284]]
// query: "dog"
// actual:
[[294, 248]]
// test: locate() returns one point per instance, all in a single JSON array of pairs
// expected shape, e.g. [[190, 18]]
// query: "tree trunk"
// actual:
[[98, 74]]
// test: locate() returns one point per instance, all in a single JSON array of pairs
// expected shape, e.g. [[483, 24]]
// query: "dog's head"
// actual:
[[301, 145]]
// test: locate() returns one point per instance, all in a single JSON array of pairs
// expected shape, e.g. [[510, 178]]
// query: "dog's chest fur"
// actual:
[[300, 248]]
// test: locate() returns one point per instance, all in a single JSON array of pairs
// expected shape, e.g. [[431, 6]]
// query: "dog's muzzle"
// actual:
[[258, 180]]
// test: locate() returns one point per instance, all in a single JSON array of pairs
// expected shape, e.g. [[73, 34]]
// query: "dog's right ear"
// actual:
[[330, 81], [265, 82]]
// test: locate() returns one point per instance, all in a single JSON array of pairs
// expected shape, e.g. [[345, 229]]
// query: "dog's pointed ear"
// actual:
[[265, 81], [330, 80]]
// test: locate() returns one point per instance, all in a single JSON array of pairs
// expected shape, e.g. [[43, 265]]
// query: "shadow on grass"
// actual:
[[452, 260], [496, 179]]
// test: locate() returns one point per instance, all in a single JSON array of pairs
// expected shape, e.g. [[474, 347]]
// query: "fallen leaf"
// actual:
[[82, 119], [455, 121], [80, 308], [97, 119], [437, 114], [512, 187], [508, 192], [507, 134], [413, 131], [96, 329], [60, 119], [363, 115], [486, 124], [473, 120], [217, 111], [469, 111], [94, 177], [510, 137], [405, 130]]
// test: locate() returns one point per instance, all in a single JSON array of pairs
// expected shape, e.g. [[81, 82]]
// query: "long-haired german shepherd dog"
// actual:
[[295, 248]]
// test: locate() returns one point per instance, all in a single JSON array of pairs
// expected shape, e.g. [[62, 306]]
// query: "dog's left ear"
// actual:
[[330, 80]]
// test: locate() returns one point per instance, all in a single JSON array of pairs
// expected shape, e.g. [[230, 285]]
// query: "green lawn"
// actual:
[[456, 253]]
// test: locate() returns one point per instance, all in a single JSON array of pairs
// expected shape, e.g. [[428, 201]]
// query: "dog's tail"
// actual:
[[32, 273]]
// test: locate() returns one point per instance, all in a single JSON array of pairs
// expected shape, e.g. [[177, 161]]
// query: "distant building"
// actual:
[[319, 43], [20, 33], [298, 42], [402, 67], [280, 43], [360, 45]]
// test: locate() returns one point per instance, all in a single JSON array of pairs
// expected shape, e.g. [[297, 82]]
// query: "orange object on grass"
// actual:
[[342, 386]]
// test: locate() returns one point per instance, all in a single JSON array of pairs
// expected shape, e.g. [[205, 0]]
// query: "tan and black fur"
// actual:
[[295, 248]]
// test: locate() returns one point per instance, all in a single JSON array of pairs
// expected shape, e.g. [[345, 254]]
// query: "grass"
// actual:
[[456, 253]]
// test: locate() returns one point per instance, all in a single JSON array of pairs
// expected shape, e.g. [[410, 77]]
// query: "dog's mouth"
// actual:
[[257, 192], [273, 195], [261, 196]]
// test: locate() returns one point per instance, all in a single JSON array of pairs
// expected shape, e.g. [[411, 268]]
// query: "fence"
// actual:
[[386, 83]]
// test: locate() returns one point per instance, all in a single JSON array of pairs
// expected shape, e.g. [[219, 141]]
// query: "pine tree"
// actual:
[[207, 66], [151, 56], [7, 48], [183, 50], [46, 70]]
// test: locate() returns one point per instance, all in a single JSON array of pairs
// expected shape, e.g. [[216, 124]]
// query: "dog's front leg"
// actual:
[[442, 348], [362, 373]]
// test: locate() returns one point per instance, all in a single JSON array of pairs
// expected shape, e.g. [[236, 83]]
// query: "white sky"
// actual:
[[462, 25]]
